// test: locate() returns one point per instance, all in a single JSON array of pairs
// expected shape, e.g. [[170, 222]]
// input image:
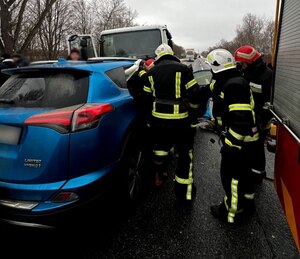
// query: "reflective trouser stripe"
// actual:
[[190, 186], [190, 84], [183, 181], [234, 200], [177, 85], [141, 73], [170, 115], [249, 196], [160, 153]]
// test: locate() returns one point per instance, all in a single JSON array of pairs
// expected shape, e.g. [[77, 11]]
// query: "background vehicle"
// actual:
[[132, 42], [286, 108], [190, 54], [65, 131]]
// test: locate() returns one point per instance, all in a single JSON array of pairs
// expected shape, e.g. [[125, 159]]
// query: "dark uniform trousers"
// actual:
[[178, 134]]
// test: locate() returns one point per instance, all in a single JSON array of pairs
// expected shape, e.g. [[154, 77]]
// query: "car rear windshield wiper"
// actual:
[[7, 101]]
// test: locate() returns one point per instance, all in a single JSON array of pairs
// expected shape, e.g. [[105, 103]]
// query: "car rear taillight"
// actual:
[[71, 119]]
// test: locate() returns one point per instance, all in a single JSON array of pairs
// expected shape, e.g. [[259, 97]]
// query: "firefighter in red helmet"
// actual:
[[259, 76]]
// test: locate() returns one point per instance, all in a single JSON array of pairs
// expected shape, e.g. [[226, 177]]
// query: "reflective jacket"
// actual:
[[260, 77], [172, 89], [233, 108]]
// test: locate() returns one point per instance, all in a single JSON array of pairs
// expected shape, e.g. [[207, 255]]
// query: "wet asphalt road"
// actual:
[[159, 229]]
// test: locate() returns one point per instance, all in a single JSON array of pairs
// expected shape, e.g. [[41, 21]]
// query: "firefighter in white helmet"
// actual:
[[233, 110], [171, 92]]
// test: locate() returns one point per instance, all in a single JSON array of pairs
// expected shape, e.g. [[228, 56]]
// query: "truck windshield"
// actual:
[[135, 44], [190, 52]]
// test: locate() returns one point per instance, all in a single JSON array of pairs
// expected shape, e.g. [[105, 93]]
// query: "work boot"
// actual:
[[249, 207], [220, 212], [259, 177], [180, 193]]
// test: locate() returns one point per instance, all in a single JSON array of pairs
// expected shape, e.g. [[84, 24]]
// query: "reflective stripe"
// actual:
[[170, 115], [176, 108], [229, 65], [195, 106], [152, 85], [236, 135], [160, 153], [154, 107], [234, 200], [190, 84], [142, 72], [239, 137], [190, 186], [221, 95], [240, 107], [225, 202], [177, 85], [257, 171], [255, 88], [165, 53], [229, 143], [147, 89], [252, 103], [212, 86], [219, 121], [249, 196], [255, 137], [183, 181]]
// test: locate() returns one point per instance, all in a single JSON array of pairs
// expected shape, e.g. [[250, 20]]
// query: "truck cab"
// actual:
[[130, 42]]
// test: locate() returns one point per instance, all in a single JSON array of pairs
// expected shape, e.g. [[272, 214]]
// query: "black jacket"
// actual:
[[260, 78], [171, 91], [233, 106]]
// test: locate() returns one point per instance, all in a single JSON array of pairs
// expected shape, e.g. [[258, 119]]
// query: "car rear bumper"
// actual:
[[48, 214]]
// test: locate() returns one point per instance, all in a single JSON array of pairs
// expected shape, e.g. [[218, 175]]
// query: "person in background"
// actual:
[[19, 60], [259, 76], [74, 55]]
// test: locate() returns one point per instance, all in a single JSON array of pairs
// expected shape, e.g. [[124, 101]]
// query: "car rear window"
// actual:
[[55, 89]]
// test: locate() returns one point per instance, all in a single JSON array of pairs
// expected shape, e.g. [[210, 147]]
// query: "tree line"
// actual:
[[39, 28], [257, 31]]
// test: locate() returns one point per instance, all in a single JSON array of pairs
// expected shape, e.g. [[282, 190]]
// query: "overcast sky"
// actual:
[[199, 24]]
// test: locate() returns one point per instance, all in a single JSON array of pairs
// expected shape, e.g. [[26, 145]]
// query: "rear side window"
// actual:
[[117, 75], [43, 89]]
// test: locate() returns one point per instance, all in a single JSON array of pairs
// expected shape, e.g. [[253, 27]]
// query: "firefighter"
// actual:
[[234, 112], [259, 76], [170, 93]]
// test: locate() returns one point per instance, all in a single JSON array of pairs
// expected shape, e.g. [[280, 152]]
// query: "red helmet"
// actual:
[[246, 54], [149, 64]]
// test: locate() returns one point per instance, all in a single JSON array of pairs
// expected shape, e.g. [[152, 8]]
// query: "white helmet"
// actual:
[[220, 60], [162, 50]]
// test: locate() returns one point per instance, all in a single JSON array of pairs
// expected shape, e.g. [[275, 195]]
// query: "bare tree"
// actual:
[[82, 14], [13, 16]]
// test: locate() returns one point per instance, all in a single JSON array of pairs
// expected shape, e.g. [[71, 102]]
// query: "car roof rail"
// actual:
[[43, 62], [109, 59]]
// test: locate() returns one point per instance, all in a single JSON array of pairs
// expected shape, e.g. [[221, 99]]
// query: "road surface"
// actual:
[[159, 229]]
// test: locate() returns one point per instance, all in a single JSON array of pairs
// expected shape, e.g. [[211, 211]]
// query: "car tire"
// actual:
[[134, 161]]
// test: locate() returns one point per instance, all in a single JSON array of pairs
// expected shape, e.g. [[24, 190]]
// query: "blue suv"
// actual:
[[65, 128]]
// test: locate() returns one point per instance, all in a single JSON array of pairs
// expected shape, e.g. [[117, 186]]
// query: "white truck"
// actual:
[[131, 42], [190, 54]]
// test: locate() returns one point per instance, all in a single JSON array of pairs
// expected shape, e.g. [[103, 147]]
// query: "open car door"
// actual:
[[84, 43]]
